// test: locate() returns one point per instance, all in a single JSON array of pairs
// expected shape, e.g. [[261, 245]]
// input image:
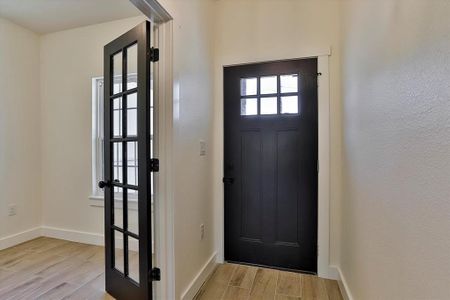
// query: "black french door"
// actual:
[[128, 165], [270, 170]]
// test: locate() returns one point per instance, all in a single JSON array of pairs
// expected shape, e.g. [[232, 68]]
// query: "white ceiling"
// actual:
[[44, 16]]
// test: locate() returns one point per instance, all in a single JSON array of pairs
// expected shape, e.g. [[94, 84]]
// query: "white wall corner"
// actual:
[[331, 272], [18, 238], [73, 235], [201, 277], [343, 286]]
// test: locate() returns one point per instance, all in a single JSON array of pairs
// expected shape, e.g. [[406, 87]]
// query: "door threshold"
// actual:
[[271, 267]]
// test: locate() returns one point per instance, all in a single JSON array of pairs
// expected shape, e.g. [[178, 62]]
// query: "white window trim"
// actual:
[[97, 141]]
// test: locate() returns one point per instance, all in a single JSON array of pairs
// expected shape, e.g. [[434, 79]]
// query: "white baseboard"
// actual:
[[201, 277], [73, 235], [18, 238], [343, 286], [330, 272], [84, 237]]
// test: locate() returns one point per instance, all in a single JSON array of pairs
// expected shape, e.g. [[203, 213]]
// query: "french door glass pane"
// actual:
[[117, 72], [132, 114], [133, 213], [117, 162], [118, 251], [117, 117], [118, 205], [131, 66], [133, 258], [132, 163]]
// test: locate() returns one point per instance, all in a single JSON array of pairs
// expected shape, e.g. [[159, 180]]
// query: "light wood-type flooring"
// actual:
[[231, 281], [47, 268]]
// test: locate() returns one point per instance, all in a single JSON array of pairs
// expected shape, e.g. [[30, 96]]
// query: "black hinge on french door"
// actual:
[[155, 274], [154, 54], [154, 165]]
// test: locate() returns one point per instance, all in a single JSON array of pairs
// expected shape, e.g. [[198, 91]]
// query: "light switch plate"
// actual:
[[202, 148], [12, 210]]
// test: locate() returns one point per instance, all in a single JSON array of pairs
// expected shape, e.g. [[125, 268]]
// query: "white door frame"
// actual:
[[324, 269], [163, 125]]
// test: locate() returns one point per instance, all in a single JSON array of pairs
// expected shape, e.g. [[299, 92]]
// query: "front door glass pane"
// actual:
[[289, 83], [249, 86], [268, 85], [269, 106]]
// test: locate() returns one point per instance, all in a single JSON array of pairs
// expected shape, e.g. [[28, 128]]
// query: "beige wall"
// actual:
[[396, 91], [20, 145], [264, 30], [68, 61], [192, 121]]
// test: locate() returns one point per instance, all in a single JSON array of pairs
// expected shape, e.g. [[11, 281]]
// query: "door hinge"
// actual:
[[154, 165], [155, 274], [154, 54]]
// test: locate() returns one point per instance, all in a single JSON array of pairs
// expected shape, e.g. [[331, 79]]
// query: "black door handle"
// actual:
[[228, 180], [102, 184]]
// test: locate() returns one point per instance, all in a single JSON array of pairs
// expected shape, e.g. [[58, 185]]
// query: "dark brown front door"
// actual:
[[270, 168]]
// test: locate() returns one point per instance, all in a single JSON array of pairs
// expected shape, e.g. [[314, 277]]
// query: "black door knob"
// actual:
[[102, 184], [228, 180]]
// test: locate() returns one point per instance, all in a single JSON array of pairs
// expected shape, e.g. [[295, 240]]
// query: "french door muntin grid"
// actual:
[[278, 95], [124, 140]]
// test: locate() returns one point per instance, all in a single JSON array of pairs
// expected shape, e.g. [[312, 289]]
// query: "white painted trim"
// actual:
[[201, 278], [153, 10], [18, 238], [73, 235], [325, 51], [343, 286], [99, 201], [164, 216], [323, 260]]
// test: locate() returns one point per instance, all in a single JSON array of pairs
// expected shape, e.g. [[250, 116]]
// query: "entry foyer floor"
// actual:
[[47, 268], [231, 281]]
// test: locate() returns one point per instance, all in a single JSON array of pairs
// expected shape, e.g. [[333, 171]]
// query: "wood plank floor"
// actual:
[[47, 268], [231, 281]]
